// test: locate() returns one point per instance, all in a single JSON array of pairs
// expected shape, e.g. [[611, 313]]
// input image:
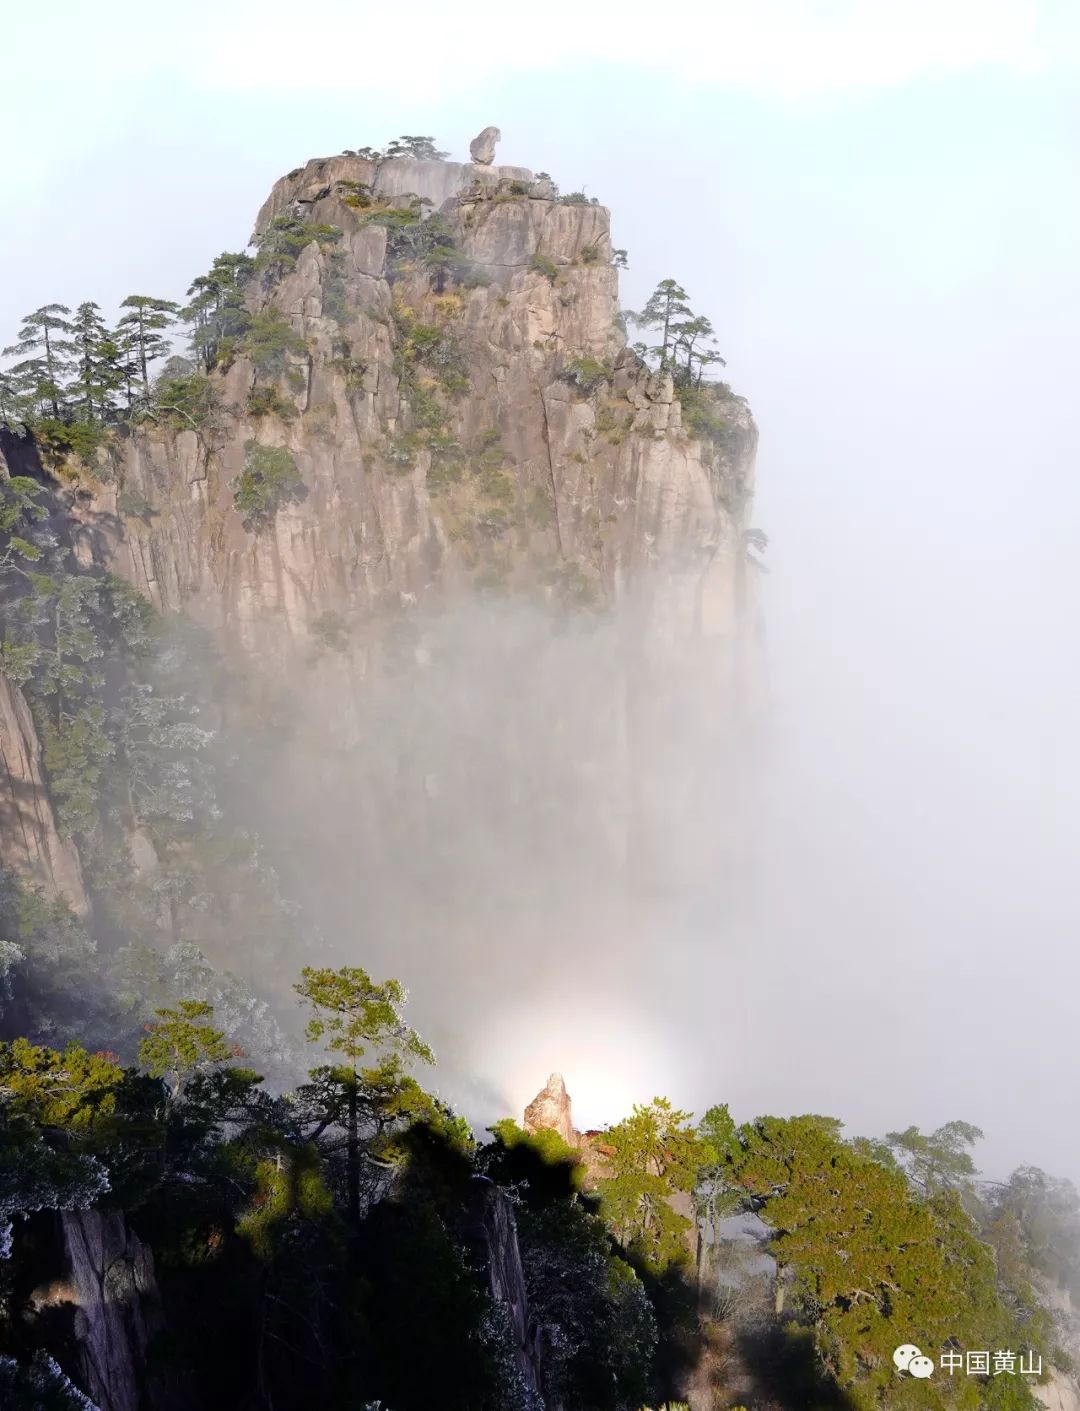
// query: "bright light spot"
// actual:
[[610, 1055]]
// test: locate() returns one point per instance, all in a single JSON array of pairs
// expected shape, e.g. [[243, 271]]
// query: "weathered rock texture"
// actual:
[[550, 1111], [529, 480], [492, 1231], [32, 845], [1060, 1393], [117, 1308], [482, 147]]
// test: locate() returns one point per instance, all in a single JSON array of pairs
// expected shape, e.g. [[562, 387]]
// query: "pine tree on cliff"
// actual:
[[877, 1264], [217, 312], [654, 1157], [352, 1013], [145, 327], [685, 337], [98, 374], [666, 309], [421, 147], [46, 331]]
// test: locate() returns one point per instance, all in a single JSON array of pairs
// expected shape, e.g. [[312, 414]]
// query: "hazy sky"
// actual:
[[877, 204]]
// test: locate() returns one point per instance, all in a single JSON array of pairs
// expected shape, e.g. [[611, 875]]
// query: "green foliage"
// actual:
[[356, 194], [98, 374], [35, 1176], [217, 312], [352, 1013], [370, 1107], [20, 510], [434, 348], [270, 341], [350, 368], [654, 1156], [1033, 1222], [416, 239], [76, 751], [161, 750], [61, 635], [45, 958], [545, 1147], [72, 1089], [268, 401], [270, 479], [399, 453], [544, 265], [185, 401], [585, 373], [684, 348], [600, 1331], [703, 410], [421, 147], [178, 1046], [56, 440], [282, 242], [873, 1264], [142, 332], [938, 1160], [290, 1190], [428, 411], [47, 356]]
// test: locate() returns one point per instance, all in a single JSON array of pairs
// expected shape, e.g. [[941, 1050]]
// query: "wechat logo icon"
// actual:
[[908, 1358]]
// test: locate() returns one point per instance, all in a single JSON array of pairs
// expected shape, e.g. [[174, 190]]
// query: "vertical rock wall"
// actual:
[[492, 1231], [30, 843], [117, 1308]]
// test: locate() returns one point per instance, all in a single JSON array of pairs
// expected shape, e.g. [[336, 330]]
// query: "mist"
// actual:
[[828, 871], [842, 880]]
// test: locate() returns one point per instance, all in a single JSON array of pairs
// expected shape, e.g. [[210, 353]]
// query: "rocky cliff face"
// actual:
[[32, 846], [529, 478], [492, 1231], [117, 1302], [101, 1309]]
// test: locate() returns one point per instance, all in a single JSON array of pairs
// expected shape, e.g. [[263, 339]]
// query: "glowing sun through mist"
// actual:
[[611, 1056]]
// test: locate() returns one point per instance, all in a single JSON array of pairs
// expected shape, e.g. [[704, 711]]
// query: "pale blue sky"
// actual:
[[877, 204]]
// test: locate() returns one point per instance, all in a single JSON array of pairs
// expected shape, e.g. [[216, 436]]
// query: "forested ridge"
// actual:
[[312, 1223]]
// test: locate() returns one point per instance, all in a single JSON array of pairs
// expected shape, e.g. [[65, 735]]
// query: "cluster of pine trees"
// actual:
[[313, 1233], [72, 375], [319, 1242]]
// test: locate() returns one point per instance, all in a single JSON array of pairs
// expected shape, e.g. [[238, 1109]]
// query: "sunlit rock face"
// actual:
[[550, 1111], [534, 482], [477, 642]]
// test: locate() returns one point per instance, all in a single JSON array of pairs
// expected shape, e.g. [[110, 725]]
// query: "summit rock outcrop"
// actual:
[[482, 147], [550, 1111], [459, 419]]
